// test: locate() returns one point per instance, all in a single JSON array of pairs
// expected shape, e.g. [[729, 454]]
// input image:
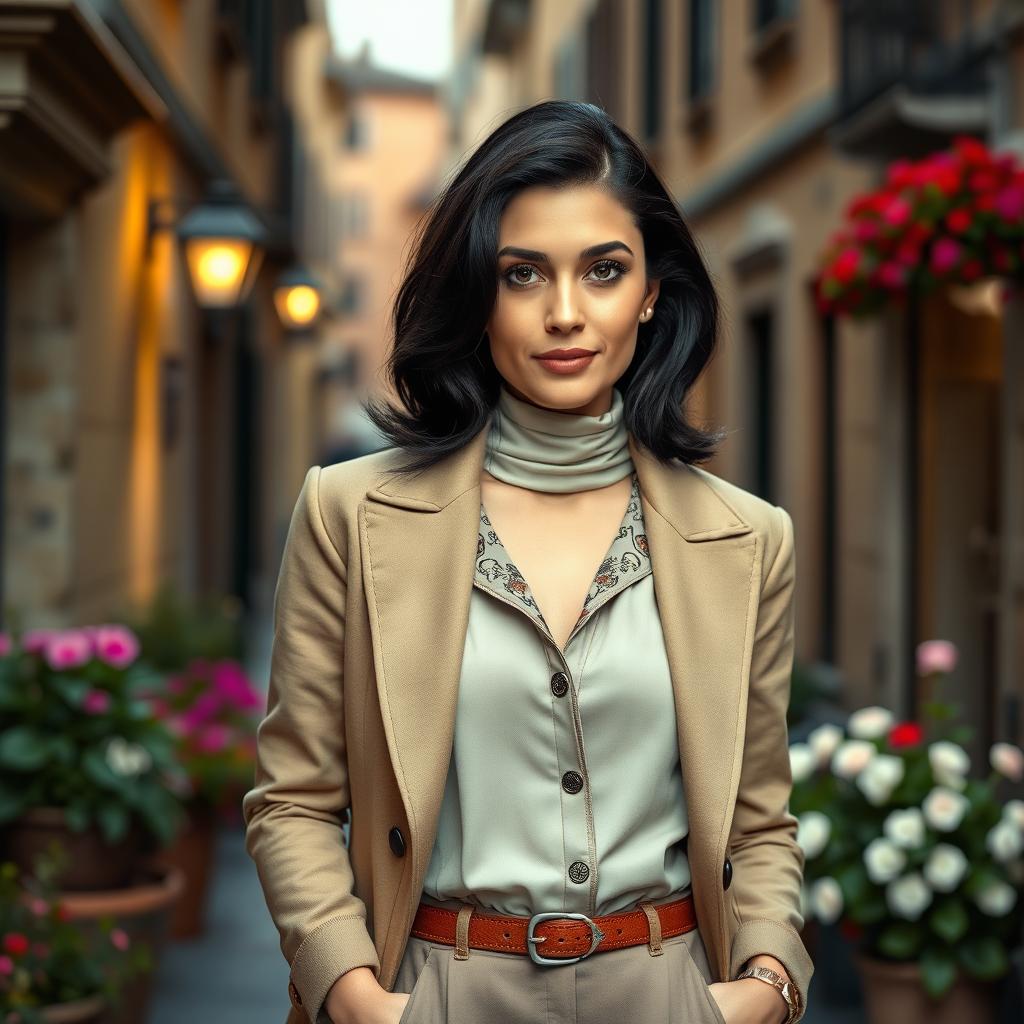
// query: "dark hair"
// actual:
[[439, 365]]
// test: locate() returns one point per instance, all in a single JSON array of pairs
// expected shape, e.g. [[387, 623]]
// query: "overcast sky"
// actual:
[[413, 36]]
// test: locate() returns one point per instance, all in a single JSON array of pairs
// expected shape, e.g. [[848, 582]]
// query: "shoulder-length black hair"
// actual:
[[439, 365]]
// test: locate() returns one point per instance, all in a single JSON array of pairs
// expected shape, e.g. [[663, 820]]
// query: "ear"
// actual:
[[653, 287]]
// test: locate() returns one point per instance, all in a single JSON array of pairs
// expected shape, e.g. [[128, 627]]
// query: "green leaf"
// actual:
[[949, 919], [71, 690], [854, 882], [113, 820], [23, 749], [95, 766], [900, 941], [77, 816], [984, 958], [938, 970]]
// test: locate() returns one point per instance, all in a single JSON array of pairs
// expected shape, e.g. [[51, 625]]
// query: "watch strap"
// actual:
[[783, 985]]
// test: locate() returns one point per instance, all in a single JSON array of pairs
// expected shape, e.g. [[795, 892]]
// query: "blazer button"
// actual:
[[559, 684], [727, 874], [397, 842]]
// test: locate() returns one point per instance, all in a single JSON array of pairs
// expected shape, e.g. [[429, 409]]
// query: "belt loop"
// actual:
[[654, 927], [462, 932]]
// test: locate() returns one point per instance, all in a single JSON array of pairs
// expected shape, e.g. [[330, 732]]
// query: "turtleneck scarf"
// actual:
[[546, 450]]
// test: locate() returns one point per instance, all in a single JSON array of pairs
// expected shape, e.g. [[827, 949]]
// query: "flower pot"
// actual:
[[895, 994], [79, 1011], [143, 909], [93, 862], [193, 853]]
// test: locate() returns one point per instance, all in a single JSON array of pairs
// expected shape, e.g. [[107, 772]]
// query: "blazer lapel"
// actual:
[[419, 541], [706, 561]]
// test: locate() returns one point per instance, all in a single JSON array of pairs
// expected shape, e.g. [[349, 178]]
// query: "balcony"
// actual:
[[913, 72]]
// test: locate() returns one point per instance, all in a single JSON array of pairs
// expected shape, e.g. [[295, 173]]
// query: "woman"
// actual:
[[513, 734]]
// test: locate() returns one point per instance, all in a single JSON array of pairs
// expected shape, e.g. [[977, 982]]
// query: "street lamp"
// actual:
[[222, 239], [298, 298]]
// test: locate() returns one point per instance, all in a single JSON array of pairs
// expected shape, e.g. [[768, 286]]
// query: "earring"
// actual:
[[646, 315]]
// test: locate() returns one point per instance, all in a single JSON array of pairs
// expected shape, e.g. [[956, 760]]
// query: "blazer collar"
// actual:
[[682, 494]]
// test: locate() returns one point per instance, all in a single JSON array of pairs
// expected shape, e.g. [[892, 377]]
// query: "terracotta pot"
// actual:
[[193, 852], [80, 1011], [895, 994], [93, 863], [143, 909]]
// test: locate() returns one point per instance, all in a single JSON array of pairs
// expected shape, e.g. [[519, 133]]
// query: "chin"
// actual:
[[562, 395]]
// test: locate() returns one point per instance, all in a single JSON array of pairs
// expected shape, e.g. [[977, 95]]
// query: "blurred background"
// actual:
[[204, 210]]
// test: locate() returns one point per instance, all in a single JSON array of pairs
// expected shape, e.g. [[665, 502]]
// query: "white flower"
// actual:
[[1004, 841], [882, 774], [1013, 810], [126, 758], [884, 860], [851, 756], [996, 899], [945, 867], [950, 763], [944, 808], [869, 723], [802, 761], [908, 897], [905, 828], [813, 831], [824, 740], [826, 900], [1008, 760]]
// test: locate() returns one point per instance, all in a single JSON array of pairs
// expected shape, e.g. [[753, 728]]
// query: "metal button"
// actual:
[[559, 684], [397, 842], [727, 873], [578, 871], [572, 782]]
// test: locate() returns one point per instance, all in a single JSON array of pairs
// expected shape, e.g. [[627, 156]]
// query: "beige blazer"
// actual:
[[371, 611]]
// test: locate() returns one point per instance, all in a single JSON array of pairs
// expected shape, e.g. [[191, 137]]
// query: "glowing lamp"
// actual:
[[298, 299]]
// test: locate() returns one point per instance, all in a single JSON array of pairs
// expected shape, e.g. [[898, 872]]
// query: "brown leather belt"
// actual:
[[553, 938]]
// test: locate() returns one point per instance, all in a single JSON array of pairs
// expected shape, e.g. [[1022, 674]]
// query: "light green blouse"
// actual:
[[564, 790]]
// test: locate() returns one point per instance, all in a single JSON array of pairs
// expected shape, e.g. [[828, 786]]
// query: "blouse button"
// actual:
[[572, 782], [578, 871], [397, 842], [559, 684]]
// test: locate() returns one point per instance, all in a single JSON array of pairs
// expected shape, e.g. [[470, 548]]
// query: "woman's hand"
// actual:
[[749, 1001], [358, 998]]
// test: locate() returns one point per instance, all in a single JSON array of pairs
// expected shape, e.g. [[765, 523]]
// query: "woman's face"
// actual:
[[571, 276]]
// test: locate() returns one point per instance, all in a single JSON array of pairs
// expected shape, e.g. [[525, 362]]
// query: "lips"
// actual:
[[565, 353]]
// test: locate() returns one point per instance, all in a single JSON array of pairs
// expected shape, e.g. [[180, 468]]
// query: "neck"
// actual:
[[546, 450]]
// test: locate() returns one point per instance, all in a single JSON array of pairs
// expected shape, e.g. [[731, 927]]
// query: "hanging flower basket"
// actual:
[[952, 218]]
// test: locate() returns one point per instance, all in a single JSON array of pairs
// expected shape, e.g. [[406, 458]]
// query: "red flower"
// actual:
[[959, 220], [905, 734], [846, 265], [15, 943]]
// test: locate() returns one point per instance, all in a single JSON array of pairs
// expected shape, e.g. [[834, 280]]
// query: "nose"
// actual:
[[564, 314]]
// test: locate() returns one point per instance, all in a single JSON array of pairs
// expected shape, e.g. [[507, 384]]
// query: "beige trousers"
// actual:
[[632, 984]]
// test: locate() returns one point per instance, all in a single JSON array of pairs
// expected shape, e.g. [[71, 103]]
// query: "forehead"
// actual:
[[565, 219]]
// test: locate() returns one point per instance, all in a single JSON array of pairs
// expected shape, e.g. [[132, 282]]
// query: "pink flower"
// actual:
[[897, 211], [1008, 760], [1010, 203], [96, 702], [35, 640], [68, 649], [116, 645], [205, 708], [231, 682], [945, 255], [213, 739], [38, 906], [935, 656], [6, 965], [119, 939], [892, 275], [5, 644]]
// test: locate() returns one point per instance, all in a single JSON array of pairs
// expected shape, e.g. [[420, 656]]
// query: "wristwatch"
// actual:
[[786, 987]]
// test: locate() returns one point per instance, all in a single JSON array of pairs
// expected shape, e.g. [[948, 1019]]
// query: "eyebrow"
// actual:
[[541, 257]]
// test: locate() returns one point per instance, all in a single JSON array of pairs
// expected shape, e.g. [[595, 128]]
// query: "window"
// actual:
[[651, 63], [353, 296], [357, 132], [701, 48], [760, 402]]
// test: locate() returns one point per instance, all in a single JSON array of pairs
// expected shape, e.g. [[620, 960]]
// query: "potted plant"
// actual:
[[52, 971], [83, 758], [922, 865], [210, 707]]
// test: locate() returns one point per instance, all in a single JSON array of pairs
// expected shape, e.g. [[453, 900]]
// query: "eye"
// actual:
[[516, 281], [610, 265]]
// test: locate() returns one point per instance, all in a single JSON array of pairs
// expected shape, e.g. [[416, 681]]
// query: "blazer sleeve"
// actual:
[[293, 814], [767, 862]]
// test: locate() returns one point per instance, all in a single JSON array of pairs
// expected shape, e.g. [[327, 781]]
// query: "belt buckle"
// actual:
[[534, 940]]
